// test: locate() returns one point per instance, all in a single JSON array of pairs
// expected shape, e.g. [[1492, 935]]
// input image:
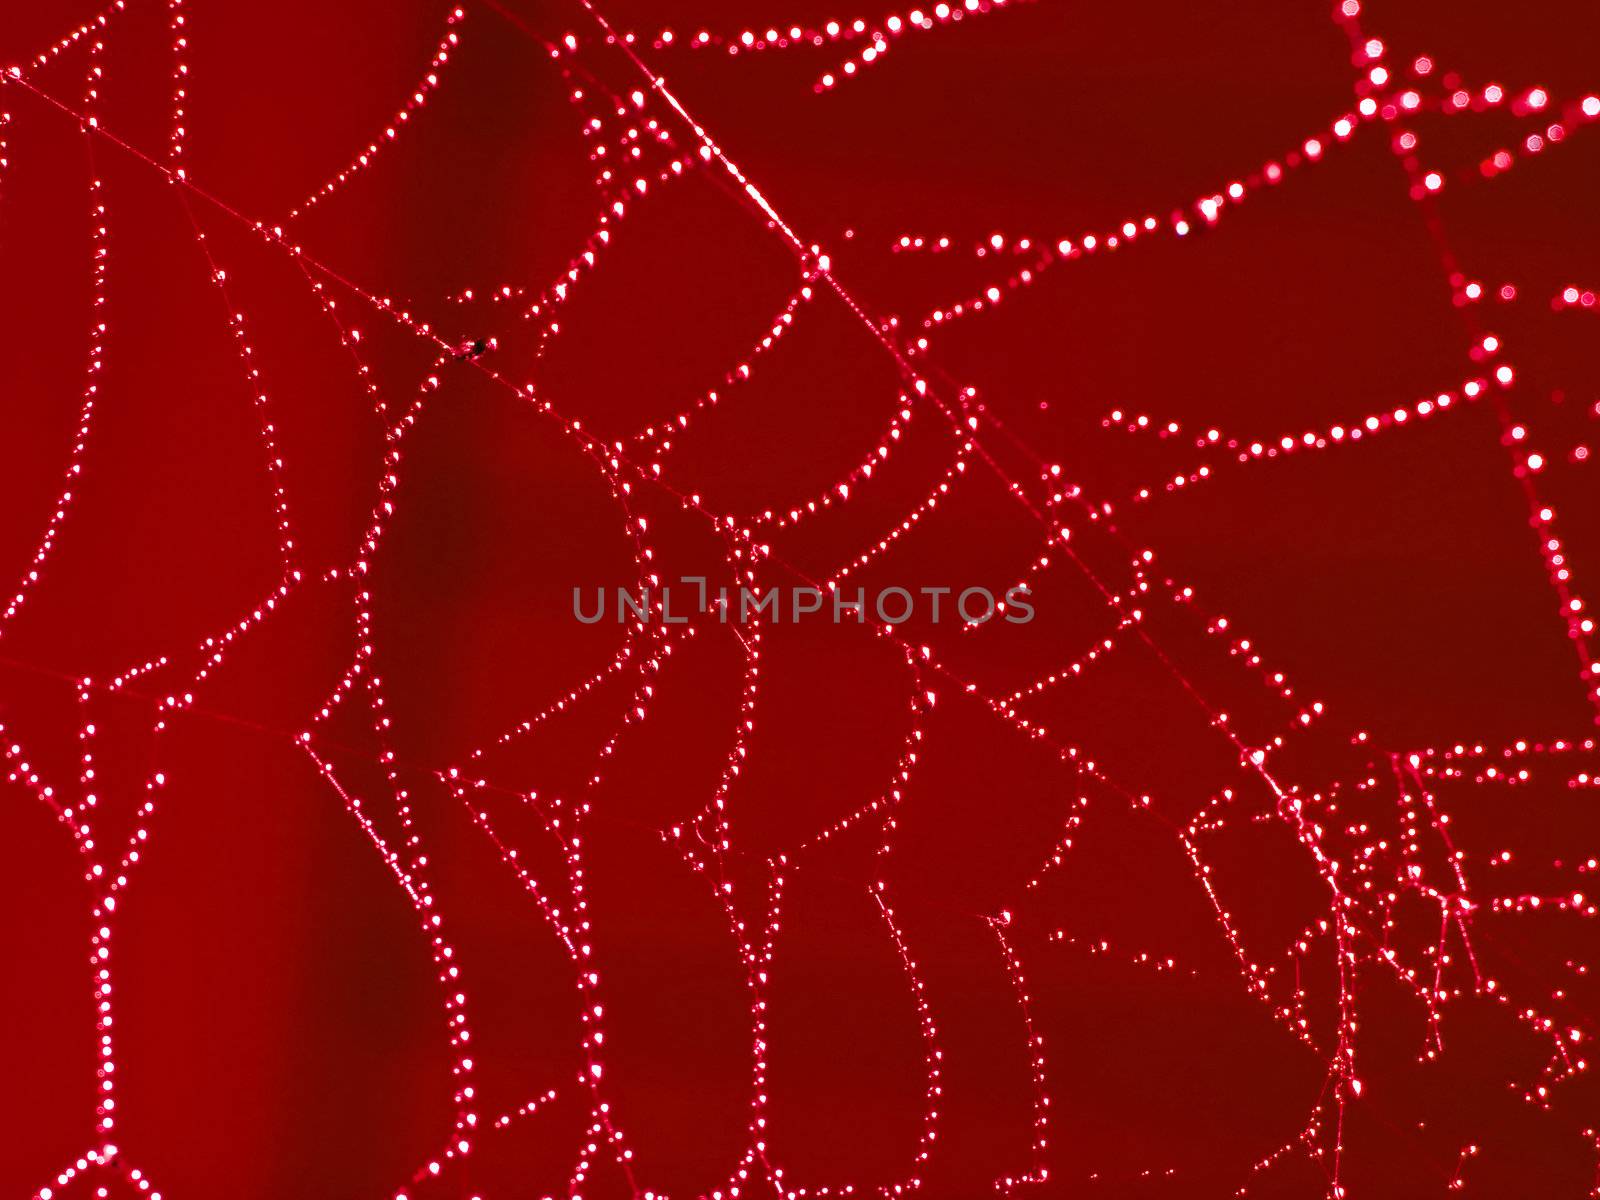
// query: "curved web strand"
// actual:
[[426, 86]]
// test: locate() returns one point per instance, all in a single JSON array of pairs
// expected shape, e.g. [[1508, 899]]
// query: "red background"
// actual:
[[279, 1031]]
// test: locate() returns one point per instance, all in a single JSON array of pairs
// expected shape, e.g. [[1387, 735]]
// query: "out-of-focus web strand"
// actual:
[[1526, 466], [601, 1125]]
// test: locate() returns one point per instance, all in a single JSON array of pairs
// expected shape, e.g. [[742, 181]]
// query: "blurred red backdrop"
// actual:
[[1082, 900]]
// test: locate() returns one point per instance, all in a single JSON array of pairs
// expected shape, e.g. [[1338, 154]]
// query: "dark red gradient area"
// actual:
[[343, 342]]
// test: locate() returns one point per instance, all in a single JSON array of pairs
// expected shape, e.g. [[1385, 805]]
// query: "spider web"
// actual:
[[732, 910]]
